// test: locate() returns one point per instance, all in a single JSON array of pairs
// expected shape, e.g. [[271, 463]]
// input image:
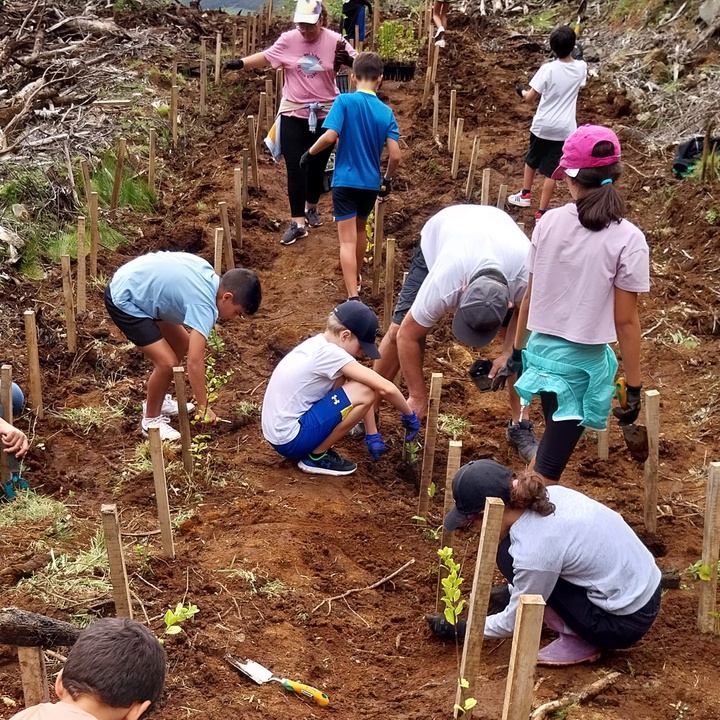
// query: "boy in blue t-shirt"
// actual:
[[364, 126]]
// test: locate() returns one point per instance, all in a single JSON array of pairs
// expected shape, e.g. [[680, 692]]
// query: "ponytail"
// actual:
[[599, 202], [529, 493]]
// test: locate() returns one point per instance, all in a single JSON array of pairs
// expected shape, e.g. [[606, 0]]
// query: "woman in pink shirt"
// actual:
[[311, 55], [587, 265]]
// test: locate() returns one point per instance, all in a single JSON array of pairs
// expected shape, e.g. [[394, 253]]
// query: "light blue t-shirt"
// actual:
[[363, 123], [176, 287]]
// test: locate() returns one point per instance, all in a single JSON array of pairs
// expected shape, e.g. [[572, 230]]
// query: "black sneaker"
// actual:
[[312, 217], [293, 233], [328, 464], [522, 438]]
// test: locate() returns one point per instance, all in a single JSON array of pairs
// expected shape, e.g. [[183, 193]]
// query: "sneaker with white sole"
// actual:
[[293, 233], [440, 42], [166, 431], [312, 217], [522, 438], [169, 407], [329, 463], [439, 33], [520, 199]]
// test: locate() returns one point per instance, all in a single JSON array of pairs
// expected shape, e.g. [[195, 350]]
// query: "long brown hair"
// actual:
[[529, 493], [599, 202]]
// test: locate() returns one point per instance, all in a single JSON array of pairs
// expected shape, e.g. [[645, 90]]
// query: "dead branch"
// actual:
[[587, 693], [19, 627], [363, 589], [100, 28]]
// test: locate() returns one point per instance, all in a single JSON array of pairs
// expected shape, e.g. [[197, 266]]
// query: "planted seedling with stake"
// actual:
[[173, 618]]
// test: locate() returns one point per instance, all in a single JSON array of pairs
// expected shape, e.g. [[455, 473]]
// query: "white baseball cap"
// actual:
[[308, 11]]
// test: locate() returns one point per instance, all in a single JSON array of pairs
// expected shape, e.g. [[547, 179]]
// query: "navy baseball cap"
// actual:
[[472, 485], [362, 322], [482, 308]]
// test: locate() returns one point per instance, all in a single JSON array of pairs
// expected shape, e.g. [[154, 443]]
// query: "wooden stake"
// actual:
[[602, 444], [378, 240], [436, 60], [118, 573], [234, 37], [279, 82], [36, 402], [87, 185], [260, 119], [7, 413], [375, 23], [218, 51], [711, 551], [270, 99], [94, 234], [218, 250], [253, 151], [161, 496], [254, 33], [229, 253], [451, 126], [245, 172], [34, 676], [183, 418], [246, 41], [471, 170], [428, 457], [479, 598], [389, 282], [652, 421], [151, 162], [485, 189], [523, 658], [81, 288], [119, 164], [203, 87], [457, 141], [436, 110], [430, 75], [69, 306], [238, 187], [174, 112], [502, 194], [447, 537]]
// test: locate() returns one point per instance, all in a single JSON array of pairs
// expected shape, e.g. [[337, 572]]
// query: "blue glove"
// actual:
[[411, 424], [375, 445]]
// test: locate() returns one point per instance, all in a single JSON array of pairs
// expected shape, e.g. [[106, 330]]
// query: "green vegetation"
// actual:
[[134, 190], [273, 588], [687, 341], [90, 418], [397, 42], [180, 614], [712, 216], [248, 409], [452, 425], [412, 450], [29, 507], [544, 21], [698, 571]]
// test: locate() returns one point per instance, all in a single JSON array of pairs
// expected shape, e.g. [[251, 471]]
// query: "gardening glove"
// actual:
[[375, 446], [385, 187], [519, 89], [236, 64], [512, 367], [342, 56], [411, 424], [305, 161], [628, 415], [440, 626]]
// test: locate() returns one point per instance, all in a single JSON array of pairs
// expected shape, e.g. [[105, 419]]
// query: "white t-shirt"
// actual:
[[458, 242], [575, 272], [304, 376], [558, 83]]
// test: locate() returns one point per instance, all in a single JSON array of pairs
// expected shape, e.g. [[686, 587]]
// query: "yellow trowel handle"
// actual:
[[621, 392], [307, 691]]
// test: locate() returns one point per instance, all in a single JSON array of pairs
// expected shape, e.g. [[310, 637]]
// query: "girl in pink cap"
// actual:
[[587, 265]]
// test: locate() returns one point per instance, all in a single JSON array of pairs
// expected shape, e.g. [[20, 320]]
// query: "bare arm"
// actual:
[[393, 157], [257, 60], [327, 139], [196, 373], [521, 333], [530, 96], [627, 327], [410, 344], [384, 388], [500, 362]]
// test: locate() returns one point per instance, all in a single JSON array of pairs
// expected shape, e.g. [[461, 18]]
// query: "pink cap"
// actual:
[[577, 150]]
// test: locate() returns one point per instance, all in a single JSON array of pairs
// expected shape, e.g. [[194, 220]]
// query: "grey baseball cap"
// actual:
[[482, 309]]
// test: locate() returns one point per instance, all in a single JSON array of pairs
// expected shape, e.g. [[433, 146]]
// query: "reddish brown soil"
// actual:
[[251, 510]]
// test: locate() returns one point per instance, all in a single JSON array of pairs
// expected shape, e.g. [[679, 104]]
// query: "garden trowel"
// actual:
[[636, 437], [15, 483], [261, 675]]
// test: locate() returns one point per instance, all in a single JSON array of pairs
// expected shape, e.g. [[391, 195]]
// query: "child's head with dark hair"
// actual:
[[562, 41], [116, 662], [368, 66], [244, 286]]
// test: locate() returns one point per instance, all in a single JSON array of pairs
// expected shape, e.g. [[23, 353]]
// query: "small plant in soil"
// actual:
[[712, 216], [214, 380], [687, 341], [29, 507], [413, 452], [199, 446], [174, 618], [215, 342], [90, 418], [698, 571], [248, 409], [273, 588], [452, 425], [143, 559]]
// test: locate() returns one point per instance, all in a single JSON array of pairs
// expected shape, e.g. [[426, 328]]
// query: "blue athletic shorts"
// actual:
[[317, 424], [352, 202]]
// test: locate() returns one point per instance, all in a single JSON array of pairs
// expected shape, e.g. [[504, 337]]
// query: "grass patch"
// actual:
[[90, 418], [66, 242], [134, 190], [452, 425], [248, 408], [544, 21], [274, 588], [29, 507]]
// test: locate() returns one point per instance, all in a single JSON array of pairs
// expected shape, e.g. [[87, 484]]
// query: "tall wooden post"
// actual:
[[260, 118], [485, 189], [218, 51], [69, 304], [279, 83], [447, 537], [183, 418], [174, 108], [457, 142], [707, 621], [7, 413], [652, 421], [253, 151], [451, 124], [151, 160], [119, 165], [389, 282], [161, 496], [471, 170], [116, 556], [225, 221], [245, 173], [502, 194], [378, 240], [203, 86], [218, 250], [94, 234], [87, 185], [436, 110], [34, 676], [479, 598], [36, 402], [81, 280], [270, 100], [375, 23], [238, 188], [428, 458]]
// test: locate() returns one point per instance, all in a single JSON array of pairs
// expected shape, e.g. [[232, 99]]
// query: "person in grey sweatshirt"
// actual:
[[600, 583]]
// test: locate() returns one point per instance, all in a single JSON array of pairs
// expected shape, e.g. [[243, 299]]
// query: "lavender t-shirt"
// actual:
[[575, 272], [309, 72]]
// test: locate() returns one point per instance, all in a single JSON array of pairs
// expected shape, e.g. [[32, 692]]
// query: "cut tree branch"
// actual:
[[587, 693]]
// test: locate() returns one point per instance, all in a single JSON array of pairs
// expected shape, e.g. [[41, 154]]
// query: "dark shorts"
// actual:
[[415, 278], [352, 202], [544, 155], [140, 331], [317, 424]]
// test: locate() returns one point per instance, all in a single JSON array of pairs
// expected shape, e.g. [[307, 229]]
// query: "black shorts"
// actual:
[[352, 202], [415, 278], [140, 331], [544, 155]]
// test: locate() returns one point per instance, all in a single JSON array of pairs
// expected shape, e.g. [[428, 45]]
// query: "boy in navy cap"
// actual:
[[319, 391]]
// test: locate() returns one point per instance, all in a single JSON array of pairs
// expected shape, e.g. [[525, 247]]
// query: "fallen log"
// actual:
[[587, 693], [27, 629]]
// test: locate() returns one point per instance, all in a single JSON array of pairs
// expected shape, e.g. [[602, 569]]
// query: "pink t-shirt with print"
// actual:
[[53, 711], [575, 272], [309, 72]]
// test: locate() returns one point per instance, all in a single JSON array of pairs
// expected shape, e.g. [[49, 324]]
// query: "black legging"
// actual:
[[590, 622], [558, 440], [295, 139]]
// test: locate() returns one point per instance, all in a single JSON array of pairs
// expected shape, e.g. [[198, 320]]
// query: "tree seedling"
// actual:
[[452, 425], [413, 452], [698, 571], [173, 618]]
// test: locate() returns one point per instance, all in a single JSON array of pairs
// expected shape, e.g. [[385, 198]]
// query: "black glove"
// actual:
[[238, 64], [628, 415], [305, 161], [479, 373], [342, 56], [519, 90], [512, 367], [441, 627], [385, 187]]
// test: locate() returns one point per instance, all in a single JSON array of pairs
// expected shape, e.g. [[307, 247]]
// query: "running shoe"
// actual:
[[330, 463], [312, 217], [520, 199], [169, 407], [166, 431], [293, 233], [522, 438]]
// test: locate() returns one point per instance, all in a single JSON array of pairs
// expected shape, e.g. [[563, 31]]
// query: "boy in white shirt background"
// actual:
[[556, 84]]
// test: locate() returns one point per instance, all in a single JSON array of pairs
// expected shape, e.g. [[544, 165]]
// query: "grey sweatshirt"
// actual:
[[586, 544]]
